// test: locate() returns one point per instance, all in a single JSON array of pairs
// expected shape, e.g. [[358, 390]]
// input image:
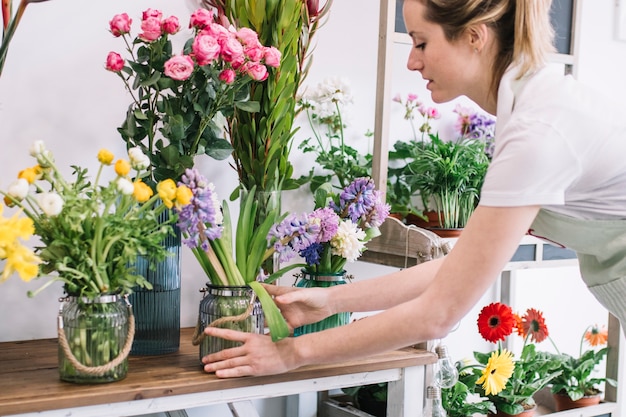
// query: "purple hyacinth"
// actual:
[[312, 254], [294, 234], [198, 220], [357, 200], [328, 221]]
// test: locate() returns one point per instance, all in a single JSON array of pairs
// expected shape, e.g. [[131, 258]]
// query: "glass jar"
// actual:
[[94, 339], [309, 280], [228, 301]]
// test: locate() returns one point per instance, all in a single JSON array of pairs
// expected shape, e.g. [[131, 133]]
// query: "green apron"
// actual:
[[600, 246]]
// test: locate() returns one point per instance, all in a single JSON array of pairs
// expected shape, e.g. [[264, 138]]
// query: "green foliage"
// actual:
[[462, 399], [575, 379], [533, 371]]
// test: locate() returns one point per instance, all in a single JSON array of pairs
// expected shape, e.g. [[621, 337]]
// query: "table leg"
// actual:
[[405, 397]]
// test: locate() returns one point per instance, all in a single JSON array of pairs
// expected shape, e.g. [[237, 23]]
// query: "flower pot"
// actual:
[[157, 311], [563, 402], [446, 233], [526, 413], [95, 338], [432, 219], [324, 280], [235, 308]]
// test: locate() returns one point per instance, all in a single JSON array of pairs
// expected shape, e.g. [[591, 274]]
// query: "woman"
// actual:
[[557, 171]]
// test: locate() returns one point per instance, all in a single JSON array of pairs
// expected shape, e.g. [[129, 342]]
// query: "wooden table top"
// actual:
[[29, 377]]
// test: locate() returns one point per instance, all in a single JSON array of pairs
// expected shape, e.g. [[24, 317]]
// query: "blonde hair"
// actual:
[[524, 33]]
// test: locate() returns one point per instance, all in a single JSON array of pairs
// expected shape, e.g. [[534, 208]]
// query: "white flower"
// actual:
[[347, 242], [217, 207], [138, 160], [51, 204], [18, 189], [125, 186], [37, 148]]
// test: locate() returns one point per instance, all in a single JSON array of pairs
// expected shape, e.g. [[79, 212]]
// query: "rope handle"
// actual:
[[199, 335], [101, 369]]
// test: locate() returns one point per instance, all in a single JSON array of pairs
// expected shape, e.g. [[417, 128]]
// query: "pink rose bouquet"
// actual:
[[176, 95]]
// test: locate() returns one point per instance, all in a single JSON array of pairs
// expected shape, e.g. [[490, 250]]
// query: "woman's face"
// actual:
[[448, 67]]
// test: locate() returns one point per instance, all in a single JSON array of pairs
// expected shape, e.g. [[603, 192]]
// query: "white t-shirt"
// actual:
[[559, 145]]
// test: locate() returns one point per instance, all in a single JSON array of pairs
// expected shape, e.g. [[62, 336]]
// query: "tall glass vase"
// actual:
[[95, 336], [157, 311], [309, 280], [229, 307]]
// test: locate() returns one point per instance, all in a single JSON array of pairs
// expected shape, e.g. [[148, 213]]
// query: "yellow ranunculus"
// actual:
[[105, 157], [142, 192], [23, 261], [167, 192], [30, 174], [122, 167], [183, 195]]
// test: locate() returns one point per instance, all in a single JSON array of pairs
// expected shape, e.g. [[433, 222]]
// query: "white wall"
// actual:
[[54, 87]]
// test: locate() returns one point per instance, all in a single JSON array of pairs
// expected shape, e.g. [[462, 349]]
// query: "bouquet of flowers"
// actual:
[[507, 382], [90, 233], [337, 230], [177, 96]]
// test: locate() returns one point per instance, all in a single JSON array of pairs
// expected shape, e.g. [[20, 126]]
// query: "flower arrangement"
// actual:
[[323, 107], [507, 382], [177, 96], [90, 233], [337, 231], [576, 379]]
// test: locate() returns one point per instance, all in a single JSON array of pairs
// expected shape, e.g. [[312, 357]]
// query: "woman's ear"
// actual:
[[478, 37]]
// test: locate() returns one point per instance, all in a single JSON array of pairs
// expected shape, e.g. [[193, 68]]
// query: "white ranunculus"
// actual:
[[125, 186], [215, 202], [138, 160], [37, 148], [51, 204], [348, 241], [18, 189]]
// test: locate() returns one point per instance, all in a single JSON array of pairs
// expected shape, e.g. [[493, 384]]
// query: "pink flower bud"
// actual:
[[313, 6], [148, 13], [170, 25], [179, 67], [201, 18], [228, 76], [151, 29], [272, 57], [205, 49], [254, 53], [256, 71], [114, 62], [248, 36], [120, 24]]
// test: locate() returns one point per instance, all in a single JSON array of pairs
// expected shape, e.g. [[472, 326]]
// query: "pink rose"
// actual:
[[205, 49], [114, 62], [120, 24], [170, 25], [256, 71], [216, 30], [232, 49], [151, 29], [179, 67], [272, 57], [248, 36], [151, 13], [227, 75], [254, 52], [201, 18]]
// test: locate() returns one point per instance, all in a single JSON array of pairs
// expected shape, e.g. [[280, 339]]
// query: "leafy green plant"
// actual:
[[462, 399]]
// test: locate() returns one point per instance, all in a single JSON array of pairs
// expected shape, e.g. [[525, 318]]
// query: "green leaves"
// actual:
[[275, 321]]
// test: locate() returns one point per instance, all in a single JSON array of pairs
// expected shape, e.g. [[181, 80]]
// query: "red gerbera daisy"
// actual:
[[596, 336], [495, 322], [534, 325]]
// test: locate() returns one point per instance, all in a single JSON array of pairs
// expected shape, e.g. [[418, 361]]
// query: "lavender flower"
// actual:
[[312, 254], [472, 125], [201, 218], [328, 221], [294, 234]]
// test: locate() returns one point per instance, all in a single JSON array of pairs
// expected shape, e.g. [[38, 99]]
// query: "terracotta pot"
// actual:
[[564, 402], [433, 220], [446, 233], [526, 413]]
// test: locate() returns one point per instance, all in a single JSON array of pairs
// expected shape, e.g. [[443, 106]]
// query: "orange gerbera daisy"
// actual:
[[495, 322], [596, 336], [519, 329], [534, 325]]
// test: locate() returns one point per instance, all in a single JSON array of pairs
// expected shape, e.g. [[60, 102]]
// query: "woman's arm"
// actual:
[[485, 246]]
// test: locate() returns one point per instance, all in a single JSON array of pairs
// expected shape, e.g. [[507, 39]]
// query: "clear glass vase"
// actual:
[[309, 280], [157, 311], [94, 339], [221, 302]]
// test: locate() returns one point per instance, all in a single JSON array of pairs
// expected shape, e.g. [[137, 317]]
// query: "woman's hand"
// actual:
[[257, 356], [300, 306]]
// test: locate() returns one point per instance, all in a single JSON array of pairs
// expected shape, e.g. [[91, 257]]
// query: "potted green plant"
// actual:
[[577, 381], [462, 399]]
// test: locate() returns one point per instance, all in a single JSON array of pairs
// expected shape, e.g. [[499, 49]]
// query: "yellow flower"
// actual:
[[183, 195], [105, 157], [497, 372], [167, 192], [18, 258], [22, 260], [122, 167], [30, 174], [142, 192]]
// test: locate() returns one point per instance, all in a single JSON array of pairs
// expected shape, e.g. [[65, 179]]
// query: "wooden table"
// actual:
[[30, 385]]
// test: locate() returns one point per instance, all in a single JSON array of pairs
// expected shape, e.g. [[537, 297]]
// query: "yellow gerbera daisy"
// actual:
[[497, 372]]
